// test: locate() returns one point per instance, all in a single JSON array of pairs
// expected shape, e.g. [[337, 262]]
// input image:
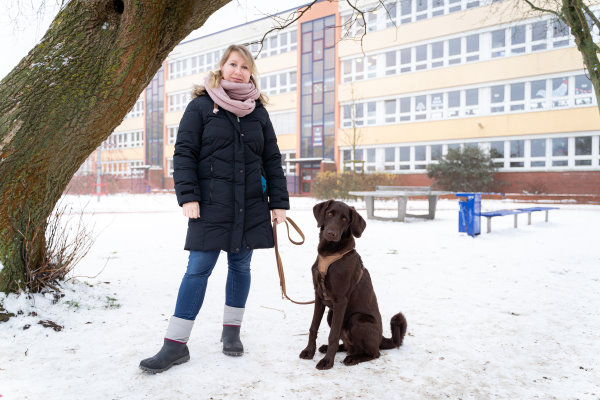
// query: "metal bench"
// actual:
[[498, 213], [401, 193]]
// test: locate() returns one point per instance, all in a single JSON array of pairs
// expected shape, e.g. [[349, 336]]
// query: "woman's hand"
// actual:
[[278, 215], [191, 209]]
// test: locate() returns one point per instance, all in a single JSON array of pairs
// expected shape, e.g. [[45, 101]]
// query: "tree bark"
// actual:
[[67, 96]]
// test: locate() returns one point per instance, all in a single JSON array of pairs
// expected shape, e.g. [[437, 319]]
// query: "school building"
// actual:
[[426, 76]]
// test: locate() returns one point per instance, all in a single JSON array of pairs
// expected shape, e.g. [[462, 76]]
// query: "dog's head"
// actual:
[[338, 220]]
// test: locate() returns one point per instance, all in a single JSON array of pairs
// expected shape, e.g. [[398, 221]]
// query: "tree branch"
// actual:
[[545, 10]]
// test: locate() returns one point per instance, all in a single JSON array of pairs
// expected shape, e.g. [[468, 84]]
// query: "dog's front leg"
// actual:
[[309, 352], [339, 310]]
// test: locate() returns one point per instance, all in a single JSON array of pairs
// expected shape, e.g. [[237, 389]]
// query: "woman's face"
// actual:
[[235, 69]]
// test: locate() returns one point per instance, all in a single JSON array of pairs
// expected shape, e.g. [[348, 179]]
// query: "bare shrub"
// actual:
[[66, 243]]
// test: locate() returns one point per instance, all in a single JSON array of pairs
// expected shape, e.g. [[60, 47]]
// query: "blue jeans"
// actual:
[[200, 266]]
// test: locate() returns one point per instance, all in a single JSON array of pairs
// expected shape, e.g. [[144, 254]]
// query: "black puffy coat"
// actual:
[[219, 160]]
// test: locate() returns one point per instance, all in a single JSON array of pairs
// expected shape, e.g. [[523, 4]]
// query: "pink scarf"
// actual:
[[238, 98]]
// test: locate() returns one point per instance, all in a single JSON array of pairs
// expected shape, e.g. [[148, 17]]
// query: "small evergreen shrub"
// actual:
[[468, 170], [333, 185]]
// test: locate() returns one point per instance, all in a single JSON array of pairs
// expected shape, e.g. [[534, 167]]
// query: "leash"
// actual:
[[278, 257]]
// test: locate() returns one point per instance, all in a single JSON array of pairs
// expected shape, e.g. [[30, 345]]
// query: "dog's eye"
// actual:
[[330, 214], [344, 219]]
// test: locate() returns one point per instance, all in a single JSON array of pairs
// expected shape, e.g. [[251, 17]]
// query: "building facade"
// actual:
[[419, 78]]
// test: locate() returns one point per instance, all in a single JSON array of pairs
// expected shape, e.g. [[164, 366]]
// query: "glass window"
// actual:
[[371, 112], [436, 152], [404, 153], [347, 70], [538, 147], [560, 147], [472, 101], [517, 148], [538, 94], [405, 60], [517, 96], [538, 34], [420, 107], [406, 11], [473, 47], [517, 39], [498, 43], [421, 57], [390, 63], [560, 90], [437, 54], [390, 110], [405, 109], [437, 105], [583, 146], [560, 33], [497, 98], [583, 90], [390, 154], [454, 103], [420, 153], [454, 51]]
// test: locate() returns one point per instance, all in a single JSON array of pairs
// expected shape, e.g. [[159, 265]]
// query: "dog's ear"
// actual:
[[357, 223], [319, 211]]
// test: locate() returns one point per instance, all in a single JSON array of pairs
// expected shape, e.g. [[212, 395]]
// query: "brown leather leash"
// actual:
[[278, 257]]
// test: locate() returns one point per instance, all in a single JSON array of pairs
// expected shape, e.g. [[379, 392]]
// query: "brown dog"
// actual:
[[344, 285]]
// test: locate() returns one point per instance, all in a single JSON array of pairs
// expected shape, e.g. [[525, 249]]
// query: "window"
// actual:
[[497, 153], [560, 152], [583, 151], [279, 83], [472, 47], [583, 90], [420, 157], [472, 101], [454, 51], [517, 97], [517, 154], [390, 159], [405, 109], [420, 107], [454, 103], [284, 123], [437, 54], [404, 157], [538, 152], [560, 92], [560, 33], [497, 99], [172, 134], [517, 39], [421, 57], [137, 110], [436, 152], [390, 110], [390, 62], [539, 32], [179, 101], [390, 14], [437, 106], [498, 43], [538, 95], [405, 60]]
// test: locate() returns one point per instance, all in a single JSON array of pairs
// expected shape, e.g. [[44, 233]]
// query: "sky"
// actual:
[[23, 23]]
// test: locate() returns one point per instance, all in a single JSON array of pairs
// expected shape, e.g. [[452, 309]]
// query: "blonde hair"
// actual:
[[216, 76]]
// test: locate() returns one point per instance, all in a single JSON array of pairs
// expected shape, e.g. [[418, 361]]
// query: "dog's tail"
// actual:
[[398, 325]]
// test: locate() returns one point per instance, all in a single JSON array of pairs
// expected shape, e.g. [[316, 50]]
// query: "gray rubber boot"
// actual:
[[172, 353], [232, 345]]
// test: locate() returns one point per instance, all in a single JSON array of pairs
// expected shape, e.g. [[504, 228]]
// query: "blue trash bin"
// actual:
[[469, 213]]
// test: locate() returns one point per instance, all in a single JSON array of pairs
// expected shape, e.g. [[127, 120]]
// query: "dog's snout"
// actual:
[[331, 234]]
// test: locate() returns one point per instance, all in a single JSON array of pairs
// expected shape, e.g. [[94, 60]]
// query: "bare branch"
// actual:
[[544, 10], [361, 14], [283, 23]]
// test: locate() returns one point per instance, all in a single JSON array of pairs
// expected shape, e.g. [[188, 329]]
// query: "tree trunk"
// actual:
[[67, 96], [574, 14]]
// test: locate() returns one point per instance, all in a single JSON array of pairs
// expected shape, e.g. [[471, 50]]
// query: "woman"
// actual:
[[228, 175]]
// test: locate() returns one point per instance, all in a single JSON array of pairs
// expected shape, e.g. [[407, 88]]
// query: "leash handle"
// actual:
[[278, 257]]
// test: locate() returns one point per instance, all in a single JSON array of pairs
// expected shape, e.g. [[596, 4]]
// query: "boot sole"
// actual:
[[182, 360], [233, 353]]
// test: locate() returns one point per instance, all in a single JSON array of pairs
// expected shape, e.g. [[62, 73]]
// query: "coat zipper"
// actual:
[[210, 191]]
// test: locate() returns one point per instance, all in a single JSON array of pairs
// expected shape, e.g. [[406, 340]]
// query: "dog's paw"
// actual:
[[325, 363], [308, 353], [323, 349], [351, 360]]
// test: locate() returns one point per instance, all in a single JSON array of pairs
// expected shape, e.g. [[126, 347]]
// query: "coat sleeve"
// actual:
[[187, 153], [276, 182]]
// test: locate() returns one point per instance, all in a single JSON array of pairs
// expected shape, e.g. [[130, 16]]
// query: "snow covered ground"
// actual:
[[509, 315]]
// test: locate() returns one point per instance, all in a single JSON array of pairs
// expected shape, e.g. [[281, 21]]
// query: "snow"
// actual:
[[508, 315]]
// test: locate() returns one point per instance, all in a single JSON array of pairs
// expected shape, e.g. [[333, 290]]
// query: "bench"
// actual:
[[401, 193], [498, 213]]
